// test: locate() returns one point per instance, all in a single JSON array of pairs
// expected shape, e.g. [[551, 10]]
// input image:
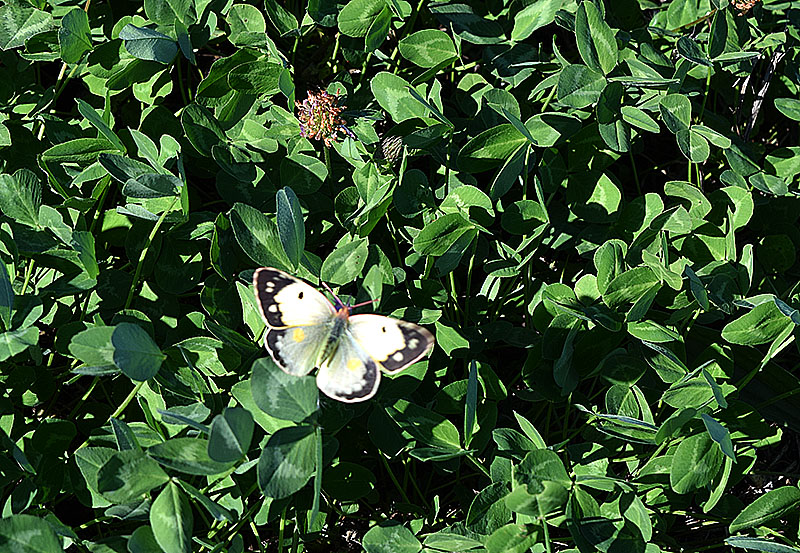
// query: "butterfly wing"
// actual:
[[299, 319], [350, 375], [286, 301], [395, 344], [297, 348]]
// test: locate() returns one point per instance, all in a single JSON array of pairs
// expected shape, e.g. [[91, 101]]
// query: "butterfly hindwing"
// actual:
[[297, 349], [393, 343], [286, 301], [351, 374]]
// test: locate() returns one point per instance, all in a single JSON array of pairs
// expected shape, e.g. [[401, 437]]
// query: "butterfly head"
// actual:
[[343, 309]]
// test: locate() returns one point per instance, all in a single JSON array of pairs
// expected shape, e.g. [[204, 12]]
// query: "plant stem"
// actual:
[[28, 271], [394, 479], [142, 255], [127, 400]]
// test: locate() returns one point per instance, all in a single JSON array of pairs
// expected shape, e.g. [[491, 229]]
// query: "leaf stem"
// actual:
[[394, 479], [28, 272], [145, 249]]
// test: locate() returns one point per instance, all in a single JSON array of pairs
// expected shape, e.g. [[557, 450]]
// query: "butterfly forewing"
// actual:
[[393, 343], [287, 301], [350, 374]]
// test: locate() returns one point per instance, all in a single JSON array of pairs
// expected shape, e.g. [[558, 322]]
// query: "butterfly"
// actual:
[[306, 331]]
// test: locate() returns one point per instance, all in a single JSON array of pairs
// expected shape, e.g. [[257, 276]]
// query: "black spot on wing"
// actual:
[[418, 342], [267, 283], [271, 342]]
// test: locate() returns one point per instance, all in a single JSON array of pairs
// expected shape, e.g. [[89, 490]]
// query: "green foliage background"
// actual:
[[592, 205]]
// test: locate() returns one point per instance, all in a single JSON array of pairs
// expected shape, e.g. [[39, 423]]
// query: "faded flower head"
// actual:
[[320, 118], [743, 6], [392, 147]]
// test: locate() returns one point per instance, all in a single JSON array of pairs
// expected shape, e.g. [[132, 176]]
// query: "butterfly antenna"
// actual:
[[339, 303], [363, 303]]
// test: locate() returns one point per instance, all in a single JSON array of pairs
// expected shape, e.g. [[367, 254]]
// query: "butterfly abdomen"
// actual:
[[338, 328]]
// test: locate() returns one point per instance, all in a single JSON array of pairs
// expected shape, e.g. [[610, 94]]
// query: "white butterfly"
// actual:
[[305, 331]]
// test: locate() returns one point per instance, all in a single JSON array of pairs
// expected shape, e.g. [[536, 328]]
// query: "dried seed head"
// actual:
[[743, 6], [320, 118], [392, 147]]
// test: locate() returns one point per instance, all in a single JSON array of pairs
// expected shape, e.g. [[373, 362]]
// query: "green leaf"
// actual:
[[448, 541], [392, 94], [259, 77], [718, 36], [790, 107], [638, 118], [426, 426], [75, 35], [97, 122], [390, 537], [93, 346], [147, 44], [280, 17], [18, 23], [281, 395], [304, 174], [135, 352], [21, 196], [230, 435], [629, 286], [188, 455], [378, 30], [437, 237], [693, 145], [127, 475], [689, 49], [596, 42], [258, 236], [123, 434], [490, 148], [427, 48], [771, 505], [287, 461], [172, 521], [216, 510], [291, 229], [760, 544], [511, 538], [760, 325], [152, 185], [720, 435], [579, 86], [345, 263], [533, 17], [28, 534], [142, 540], [202, 128], [80, 150], [17, 341], [356, 16], [6, 297], [695, 463], [676, 111]]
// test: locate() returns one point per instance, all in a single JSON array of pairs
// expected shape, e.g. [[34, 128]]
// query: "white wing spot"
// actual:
[[398, 356], [412, 343], [273, 308]]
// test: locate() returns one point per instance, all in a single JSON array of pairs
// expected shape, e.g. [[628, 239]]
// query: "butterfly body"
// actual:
[[305, 331]]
